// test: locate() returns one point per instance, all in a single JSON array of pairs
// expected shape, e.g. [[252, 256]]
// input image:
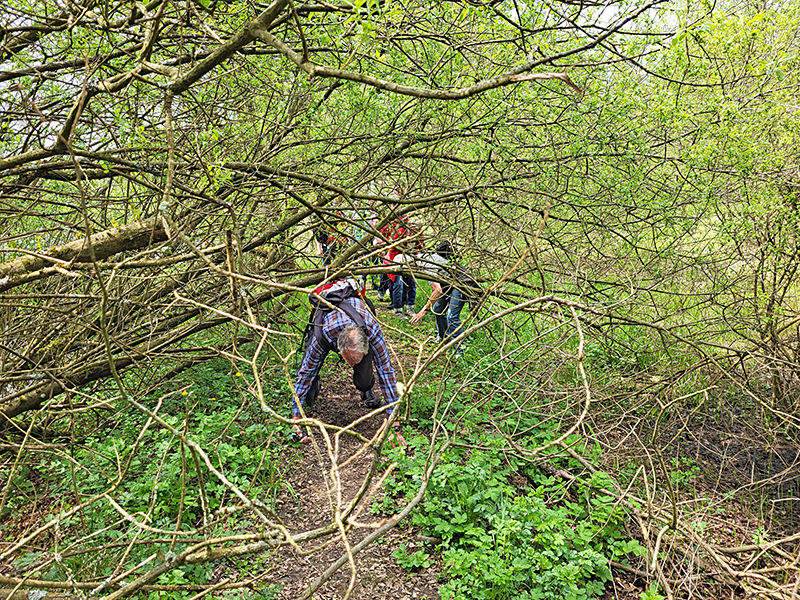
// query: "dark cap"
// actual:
[[445, 250]]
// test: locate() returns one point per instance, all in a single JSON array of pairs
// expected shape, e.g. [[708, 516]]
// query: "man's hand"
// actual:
[[418, 317], [300, 435], [397, 437]]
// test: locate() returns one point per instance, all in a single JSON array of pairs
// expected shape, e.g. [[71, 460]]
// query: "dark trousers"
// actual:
[[385, 284], [404, 292], [376, 279], [363, 374], [363, 378]]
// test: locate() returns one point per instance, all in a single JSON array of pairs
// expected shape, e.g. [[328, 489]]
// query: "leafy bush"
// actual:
[[500, 542]]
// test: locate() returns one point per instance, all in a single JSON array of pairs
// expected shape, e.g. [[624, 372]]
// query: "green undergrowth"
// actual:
[[503, 527], [161, 489], [506, 529]]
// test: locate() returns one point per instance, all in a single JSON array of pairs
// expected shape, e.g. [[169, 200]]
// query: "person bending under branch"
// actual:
[[360, 347]]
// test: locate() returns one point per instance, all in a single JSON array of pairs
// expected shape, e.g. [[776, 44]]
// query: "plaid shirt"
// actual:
[[332, 325]]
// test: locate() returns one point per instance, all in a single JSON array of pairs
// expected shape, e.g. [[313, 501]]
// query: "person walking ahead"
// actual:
[[446, 301]]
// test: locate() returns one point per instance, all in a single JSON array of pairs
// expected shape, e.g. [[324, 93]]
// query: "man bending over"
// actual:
[[360, 347]]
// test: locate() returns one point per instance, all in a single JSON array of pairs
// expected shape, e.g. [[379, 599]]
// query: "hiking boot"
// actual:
[[398, 312], [370, 399], [410, 310]]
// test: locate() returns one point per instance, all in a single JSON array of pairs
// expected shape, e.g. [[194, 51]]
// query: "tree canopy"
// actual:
[[622, 178]]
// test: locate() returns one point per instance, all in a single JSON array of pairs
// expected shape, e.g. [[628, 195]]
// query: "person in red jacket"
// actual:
[[403, 290]]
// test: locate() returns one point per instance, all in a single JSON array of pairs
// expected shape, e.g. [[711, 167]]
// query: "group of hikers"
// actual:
[[343, 318]]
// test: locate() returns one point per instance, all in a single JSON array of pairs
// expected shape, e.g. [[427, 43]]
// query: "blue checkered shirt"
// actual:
[[332, 325]]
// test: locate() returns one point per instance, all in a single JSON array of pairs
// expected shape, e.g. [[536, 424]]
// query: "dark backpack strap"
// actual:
[[354, 315], [370, 306], [319, 317], [347, 309]]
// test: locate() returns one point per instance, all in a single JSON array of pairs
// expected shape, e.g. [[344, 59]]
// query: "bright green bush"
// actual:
[[501, 542]]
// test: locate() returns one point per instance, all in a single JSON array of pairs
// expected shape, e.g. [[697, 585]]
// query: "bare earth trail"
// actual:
[[309, 506]]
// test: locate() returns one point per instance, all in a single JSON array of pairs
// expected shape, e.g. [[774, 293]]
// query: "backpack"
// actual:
[[467, 283], [334, 293]]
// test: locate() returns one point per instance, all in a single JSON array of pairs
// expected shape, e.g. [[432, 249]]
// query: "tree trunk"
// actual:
[[132, 236]]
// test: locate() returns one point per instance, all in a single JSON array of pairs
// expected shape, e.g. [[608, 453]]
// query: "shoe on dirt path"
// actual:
[[370, 400]]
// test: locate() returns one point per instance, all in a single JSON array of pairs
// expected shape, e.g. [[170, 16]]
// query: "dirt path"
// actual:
[[379, 575]]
